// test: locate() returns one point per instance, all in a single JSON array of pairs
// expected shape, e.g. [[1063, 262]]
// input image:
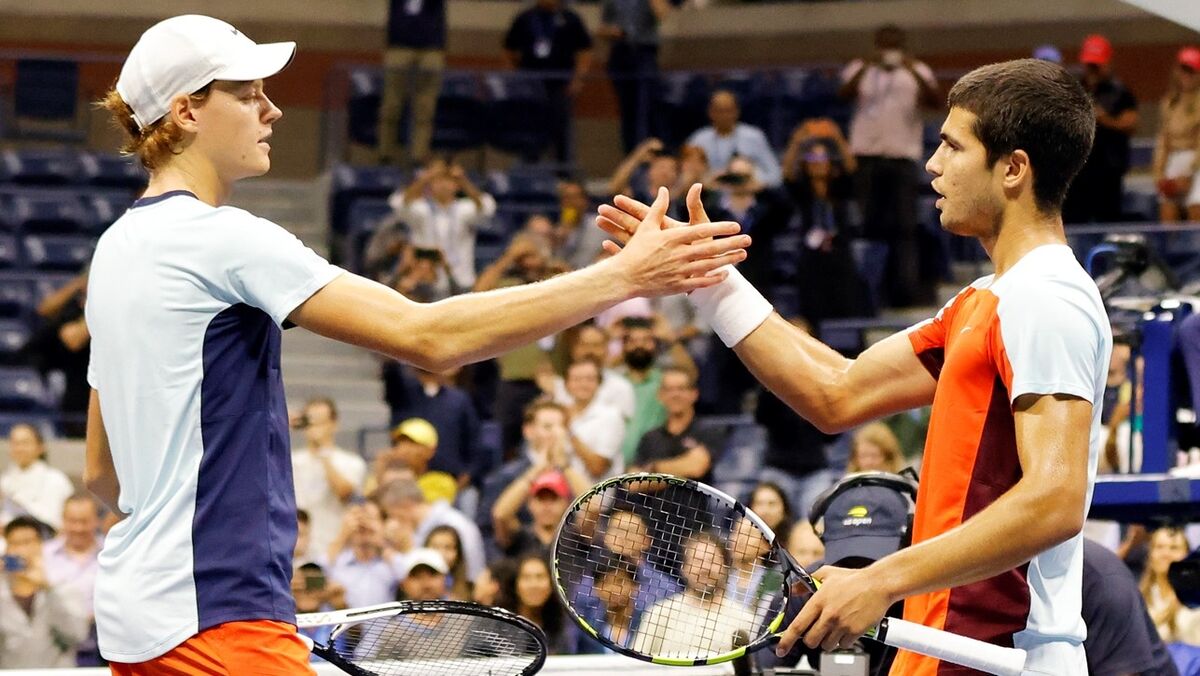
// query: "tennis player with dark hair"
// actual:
[[187, 426], [1014, 366]]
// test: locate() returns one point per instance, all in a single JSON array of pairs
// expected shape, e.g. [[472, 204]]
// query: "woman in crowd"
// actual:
[[489, 586], [30, 485], [1176, 623], [445, 540], [875, 448], [768, 501], [531, 596], [1176, 160]]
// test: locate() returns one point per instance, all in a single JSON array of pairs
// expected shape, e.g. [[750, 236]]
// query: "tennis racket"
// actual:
[[673, 571], [426, 638]]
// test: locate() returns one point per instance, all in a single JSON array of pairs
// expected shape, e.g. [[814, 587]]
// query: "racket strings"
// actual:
[[689, 573], [438, 644]]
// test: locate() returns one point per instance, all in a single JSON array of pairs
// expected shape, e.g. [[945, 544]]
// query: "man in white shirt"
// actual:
[[438, 219], [727, 138], [70, 561], [889, 89], [591, 342], [596, 428], [326, 476]]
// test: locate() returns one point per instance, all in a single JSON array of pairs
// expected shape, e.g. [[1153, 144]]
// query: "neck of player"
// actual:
[[1022, 229], [190, 172]]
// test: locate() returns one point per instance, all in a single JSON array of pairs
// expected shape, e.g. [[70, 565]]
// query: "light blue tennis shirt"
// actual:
[[185, 305]]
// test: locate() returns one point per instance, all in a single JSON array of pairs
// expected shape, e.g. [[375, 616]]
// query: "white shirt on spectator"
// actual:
[[39, 490], [684, 626], [615, 391], [450, 229], [887, 114], [442, 514], [315, 496], [75, 571], [601, 427], [746, 141], [367, 583], [47, 636]]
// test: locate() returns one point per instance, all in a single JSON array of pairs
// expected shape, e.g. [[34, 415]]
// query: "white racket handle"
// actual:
[[943, 645]]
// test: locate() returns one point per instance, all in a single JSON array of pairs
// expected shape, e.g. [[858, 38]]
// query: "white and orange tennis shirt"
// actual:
[[1040, 328], [185, 305]]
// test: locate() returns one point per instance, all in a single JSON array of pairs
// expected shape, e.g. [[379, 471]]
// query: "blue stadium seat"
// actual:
[[48, 210], [1137, 205], [350, 182], [519, 114], [14, 336], [58, 252], [10, 253], [112, 171], [756, 93], [525, 185], [808, 93], [17, 297], [362, 221], [46, 101], [362, 106], [42, 421], [22, 389], [871, 259], [737, 467], [105, 207], [41, 167], [682, 106], [461, 118]]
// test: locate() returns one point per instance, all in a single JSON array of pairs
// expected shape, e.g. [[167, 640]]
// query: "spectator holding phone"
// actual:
[[326, 476], [438, 218], [40, 622]]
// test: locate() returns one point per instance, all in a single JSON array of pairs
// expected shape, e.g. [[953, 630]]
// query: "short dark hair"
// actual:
[[543, 404], [24, 521], [1035, 106]]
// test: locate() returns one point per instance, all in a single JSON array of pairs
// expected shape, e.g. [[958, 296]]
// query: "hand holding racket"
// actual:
[[673, 571], [426, 638]]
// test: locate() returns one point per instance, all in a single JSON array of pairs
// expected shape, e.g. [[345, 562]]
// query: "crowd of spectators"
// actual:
[[439, 514]]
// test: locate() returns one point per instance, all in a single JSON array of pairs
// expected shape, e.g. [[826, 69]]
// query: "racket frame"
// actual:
[[342, 620]]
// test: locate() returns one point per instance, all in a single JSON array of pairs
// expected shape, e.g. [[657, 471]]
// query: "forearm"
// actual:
[[661, 8], [593, 462], [1009, 532], [583, 63], [504, 512], [619, 183], [576, 480], [342, 488], [691, 465], [100, 474]]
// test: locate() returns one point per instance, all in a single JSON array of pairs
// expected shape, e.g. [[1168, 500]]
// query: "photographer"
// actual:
[[40, 622], [423, 275], [762, 212], [438, 218], [326, 476]]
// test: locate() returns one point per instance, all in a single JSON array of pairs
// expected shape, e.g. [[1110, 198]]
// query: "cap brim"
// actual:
[[258, 62], [873, 547]]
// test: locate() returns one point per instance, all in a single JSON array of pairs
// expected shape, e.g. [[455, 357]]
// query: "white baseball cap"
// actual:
[[423, 556], [182, 54]]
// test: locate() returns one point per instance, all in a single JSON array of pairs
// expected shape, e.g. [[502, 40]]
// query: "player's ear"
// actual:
[[1018, 170]]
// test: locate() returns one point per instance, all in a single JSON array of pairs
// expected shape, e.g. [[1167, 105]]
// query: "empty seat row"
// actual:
[[68, 253], [61, 210], [21, 292], [68, 166]]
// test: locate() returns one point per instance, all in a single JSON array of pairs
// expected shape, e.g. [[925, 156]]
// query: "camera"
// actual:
[[314, 582], [301, 422], [733, 179], [14, 564], [421, 254]]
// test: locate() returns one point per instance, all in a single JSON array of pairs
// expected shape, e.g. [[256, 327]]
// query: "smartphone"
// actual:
[[14, 564], [314, 582]]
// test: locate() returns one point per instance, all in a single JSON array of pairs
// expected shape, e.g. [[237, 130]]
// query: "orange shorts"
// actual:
[[258, 647]]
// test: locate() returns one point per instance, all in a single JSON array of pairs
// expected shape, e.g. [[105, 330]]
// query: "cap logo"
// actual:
[[858, 515]]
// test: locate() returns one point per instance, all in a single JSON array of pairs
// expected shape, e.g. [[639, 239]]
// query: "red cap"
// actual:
[[1190, 57], [552, 480], [1096, 50]]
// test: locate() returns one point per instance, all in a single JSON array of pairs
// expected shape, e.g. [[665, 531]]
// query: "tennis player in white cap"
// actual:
[[187, 427]]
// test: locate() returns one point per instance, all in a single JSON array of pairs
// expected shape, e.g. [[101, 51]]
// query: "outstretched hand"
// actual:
[[659, 256], [621, 218]]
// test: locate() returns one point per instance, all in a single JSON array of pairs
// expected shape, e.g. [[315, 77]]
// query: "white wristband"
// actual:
[[733, 308]]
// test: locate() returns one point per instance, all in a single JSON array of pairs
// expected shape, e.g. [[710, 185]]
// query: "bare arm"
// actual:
[[693, 464], [342, 488], [593, 462], [1045, 507], [661, 8], [504, 512], [619, 183], [930, 96], [829, 390], [1126, 122], [472, 327], [53, 303], [99, 473], [849, 89]]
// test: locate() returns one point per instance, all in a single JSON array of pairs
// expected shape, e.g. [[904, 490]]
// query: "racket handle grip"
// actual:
[[944, 645]]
